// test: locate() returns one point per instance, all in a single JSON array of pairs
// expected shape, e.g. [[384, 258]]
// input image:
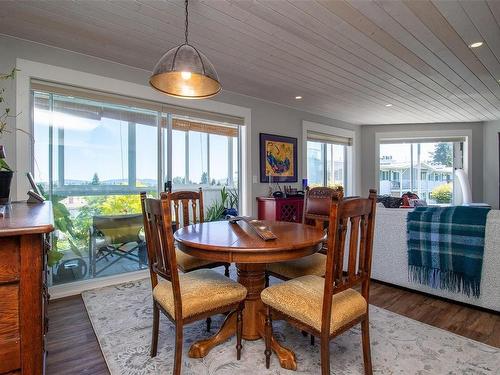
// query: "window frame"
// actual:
[[350, 159]]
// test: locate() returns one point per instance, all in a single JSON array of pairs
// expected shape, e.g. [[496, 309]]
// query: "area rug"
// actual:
[[122, 314]]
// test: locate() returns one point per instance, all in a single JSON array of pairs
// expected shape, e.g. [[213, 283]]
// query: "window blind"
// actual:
[[422, 140], [328, 138], [128, 102]]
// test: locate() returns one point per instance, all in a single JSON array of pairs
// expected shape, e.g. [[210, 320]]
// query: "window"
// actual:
[[425, 167], [327, 159], [204, 155], [95, 152]]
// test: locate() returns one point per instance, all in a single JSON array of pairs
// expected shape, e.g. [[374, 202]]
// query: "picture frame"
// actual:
[[278, 158]]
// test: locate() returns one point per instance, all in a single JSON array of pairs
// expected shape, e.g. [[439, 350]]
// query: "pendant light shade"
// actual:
[[184, 72]]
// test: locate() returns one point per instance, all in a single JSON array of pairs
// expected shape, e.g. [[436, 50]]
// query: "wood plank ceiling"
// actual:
[[348, 59]]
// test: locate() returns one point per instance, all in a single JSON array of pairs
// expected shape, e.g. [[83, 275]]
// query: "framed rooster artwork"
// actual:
[[278, 158]]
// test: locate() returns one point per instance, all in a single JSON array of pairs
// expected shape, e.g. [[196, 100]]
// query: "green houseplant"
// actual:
[[227, 205], [6, 173]]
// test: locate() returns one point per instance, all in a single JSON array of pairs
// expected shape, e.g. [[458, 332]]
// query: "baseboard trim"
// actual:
[[77, 287]]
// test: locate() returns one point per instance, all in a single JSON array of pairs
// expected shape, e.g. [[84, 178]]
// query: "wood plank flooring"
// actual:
[[73, 347]]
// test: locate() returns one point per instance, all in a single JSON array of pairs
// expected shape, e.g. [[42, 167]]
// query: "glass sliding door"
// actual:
[[92, 159], [206, 155]]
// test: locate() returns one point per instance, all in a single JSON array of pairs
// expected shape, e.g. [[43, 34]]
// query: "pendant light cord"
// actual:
[[186, 23]]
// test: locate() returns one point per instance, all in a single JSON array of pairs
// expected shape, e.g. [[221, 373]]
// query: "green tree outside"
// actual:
[[95, 179], [443, 154]]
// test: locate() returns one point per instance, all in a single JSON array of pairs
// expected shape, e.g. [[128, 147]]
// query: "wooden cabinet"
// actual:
[[23, 287], [280, 209]]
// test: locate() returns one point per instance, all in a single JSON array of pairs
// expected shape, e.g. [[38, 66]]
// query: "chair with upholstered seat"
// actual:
[[326, 307], [187, 207], [187, 297], [316, 212]]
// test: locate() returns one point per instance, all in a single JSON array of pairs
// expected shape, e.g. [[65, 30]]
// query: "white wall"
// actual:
[[266, 117], [491, 154], [368, 144]]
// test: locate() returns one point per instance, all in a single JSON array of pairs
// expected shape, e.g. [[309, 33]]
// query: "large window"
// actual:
[[327, 160], [92, 157], [425, 168]]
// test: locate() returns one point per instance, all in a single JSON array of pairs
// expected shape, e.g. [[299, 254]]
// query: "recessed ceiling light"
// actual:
[[388, 105], [475, 44], [298, 97]]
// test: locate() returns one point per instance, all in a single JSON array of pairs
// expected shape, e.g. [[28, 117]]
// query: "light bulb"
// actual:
[[476, 44], [186, 75]]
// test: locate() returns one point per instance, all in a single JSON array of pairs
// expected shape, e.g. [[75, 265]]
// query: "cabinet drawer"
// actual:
[[9, 260], [9, 328]]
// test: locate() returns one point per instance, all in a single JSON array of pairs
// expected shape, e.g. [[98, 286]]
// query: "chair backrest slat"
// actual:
[[353, 247], [339, 249], [356, 216], [157, 214], [183, 201], [176, 213]]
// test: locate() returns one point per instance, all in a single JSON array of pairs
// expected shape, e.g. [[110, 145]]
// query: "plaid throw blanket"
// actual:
[[445, 247]]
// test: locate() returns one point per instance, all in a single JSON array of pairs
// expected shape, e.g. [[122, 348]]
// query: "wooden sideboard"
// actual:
[[23, 289], [280, 209]]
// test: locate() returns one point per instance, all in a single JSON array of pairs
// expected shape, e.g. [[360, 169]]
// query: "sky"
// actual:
[[401, 152]]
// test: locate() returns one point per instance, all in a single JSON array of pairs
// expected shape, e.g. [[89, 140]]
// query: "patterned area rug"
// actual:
[[122, 316]]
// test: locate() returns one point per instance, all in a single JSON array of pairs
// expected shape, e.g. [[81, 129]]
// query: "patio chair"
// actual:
[[113, 238]]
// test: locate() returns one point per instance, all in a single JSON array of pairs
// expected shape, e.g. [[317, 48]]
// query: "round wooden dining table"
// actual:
[[239, 243]]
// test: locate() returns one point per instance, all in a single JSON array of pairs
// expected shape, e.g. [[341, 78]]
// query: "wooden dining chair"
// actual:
[[326, 307], [187, 208], [187, 297], [317, 203]]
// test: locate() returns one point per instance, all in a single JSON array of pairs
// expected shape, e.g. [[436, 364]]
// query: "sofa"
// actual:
[[390, 259]]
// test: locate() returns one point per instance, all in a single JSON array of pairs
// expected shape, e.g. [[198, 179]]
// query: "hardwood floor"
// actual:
[[73, 347], [71, 343]]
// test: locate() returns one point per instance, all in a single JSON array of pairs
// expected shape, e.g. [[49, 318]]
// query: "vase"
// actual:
[[5, 182]]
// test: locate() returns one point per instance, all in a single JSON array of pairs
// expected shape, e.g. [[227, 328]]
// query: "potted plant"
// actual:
[[6, 172], [228, 204], [5, 178]]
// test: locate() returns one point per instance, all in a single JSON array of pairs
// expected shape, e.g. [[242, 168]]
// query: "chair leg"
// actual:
[[239, 331], [325, 355], [156, 327], [178, 348], [365, 335], [226, 271], [268, 333], [267, 280], [209, 323]]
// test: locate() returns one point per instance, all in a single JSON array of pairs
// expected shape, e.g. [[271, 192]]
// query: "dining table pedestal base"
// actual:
[[252, 276]]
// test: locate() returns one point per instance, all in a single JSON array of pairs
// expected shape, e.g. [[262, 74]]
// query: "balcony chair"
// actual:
[[298, 300], [111, 236], [187, 297]]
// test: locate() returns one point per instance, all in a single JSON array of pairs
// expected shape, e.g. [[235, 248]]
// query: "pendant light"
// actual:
[[185, 72]]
